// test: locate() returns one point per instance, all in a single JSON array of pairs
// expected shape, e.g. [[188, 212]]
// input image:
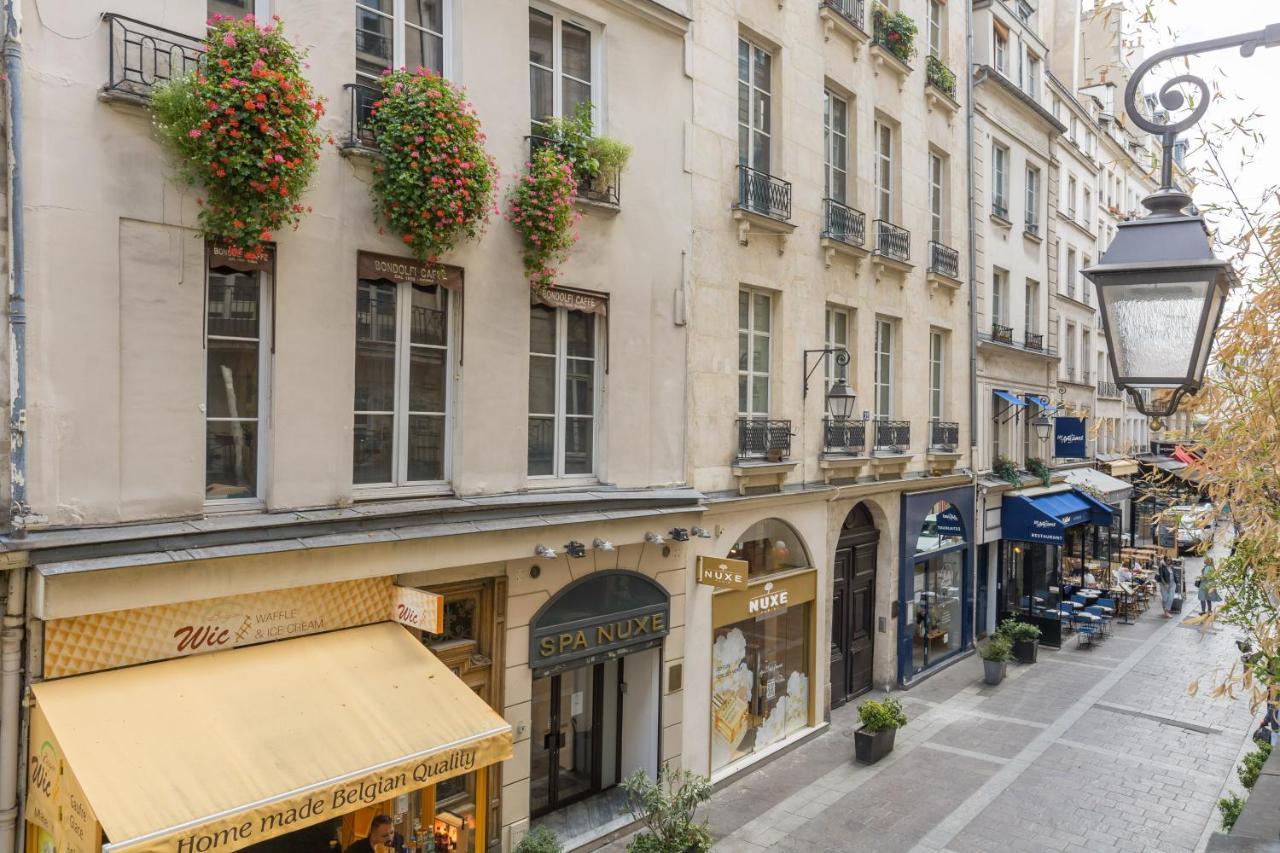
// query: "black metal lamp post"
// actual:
[[840, 397], [1160, 289]]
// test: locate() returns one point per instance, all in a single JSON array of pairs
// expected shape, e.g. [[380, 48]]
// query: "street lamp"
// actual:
[[1160, 289], [1042, 425], [840, 397]]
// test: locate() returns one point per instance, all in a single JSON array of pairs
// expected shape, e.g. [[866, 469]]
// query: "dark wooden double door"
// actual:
[[853, 615]]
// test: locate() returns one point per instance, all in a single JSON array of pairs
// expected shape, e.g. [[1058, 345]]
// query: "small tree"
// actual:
[[666, 807]]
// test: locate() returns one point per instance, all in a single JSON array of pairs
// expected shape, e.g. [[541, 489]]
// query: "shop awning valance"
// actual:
[[568, 298], [373, 266], [1045, 518], [220, 751], [1112, 490], [1011, 399]]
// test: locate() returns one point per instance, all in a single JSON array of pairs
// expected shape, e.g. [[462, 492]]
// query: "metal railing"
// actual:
[[853, 11], [892, 436], [763, 438], [844, 436], [360, 101], [892, 241], [1108, 389], [1002, 334], [944, 435], [1071, 290], [843, 223], [944, 260], [762, 193], [601, 187], [141, 56], [1033, 341]]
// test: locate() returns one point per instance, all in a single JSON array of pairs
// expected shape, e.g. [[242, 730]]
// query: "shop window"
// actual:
[[770, 546], [937, 611], [943, 527]]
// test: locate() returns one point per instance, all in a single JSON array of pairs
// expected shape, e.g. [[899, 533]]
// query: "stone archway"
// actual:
[[853, 605]]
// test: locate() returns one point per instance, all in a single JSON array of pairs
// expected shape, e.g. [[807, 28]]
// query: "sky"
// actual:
[[1247, 85]]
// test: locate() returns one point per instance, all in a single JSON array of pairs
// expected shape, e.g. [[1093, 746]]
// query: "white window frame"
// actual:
[[1085, 263], [753, 91], [999, 296], [1070, 362], [1032, 214], [884, 171], [1086, 202], [937, 197], [1033, 75], [398, 22], [1031, 309], [1000, 50], [261, 10], [561, 414], [1086, 358], [560, 17], [934, 26], [753, 376], [1071, 197], [999, 180], [833, 370], [836, 138], [1070, 277], [400, 481], [884, 384], [937, 375], [266, 324]]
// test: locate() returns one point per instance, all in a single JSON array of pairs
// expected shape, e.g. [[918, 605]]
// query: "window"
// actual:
[[884, 172], [1075, 130], [935, 29], [1000, 180], [391, 34], [1071, 350], [936, 201], [237, 358], [1000, 37], [562, 60], [239, 8], [564, 386], [755, 320], [1084, 283], [1071, 273], [1033, 200], [1086, 217], [998, 413], [999, 296], [1032, 83], [836, 137], [884, 368], [1071, 197], [1032, 308], [936, 365], [1087, 349], [755, 75], [403, 358], [837, 337]]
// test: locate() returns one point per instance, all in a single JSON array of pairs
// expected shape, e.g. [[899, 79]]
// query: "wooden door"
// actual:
[[840, 624], [862, 615]]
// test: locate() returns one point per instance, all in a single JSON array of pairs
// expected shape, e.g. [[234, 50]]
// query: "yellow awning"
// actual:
[[1122, 467], [215, 752]]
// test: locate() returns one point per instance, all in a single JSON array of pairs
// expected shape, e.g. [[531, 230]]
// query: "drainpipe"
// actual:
[[11, 706], [17, 279], [973, 255]]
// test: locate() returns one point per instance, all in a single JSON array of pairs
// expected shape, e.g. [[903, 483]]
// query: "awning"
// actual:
[[1045, 518], [1169, 466], [1182, 455], [1011, 399], [219, 751], [1046, 408], [1123, 467], [1113, 491]]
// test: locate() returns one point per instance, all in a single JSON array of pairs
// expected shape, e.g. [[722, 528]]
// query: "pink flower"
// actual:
[[193, 133], [229, 39]]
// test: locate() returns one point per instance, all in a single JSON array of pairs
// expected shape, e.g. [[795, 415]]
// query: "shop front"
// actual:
[[762, 692], [935, 587], [1050, 539]]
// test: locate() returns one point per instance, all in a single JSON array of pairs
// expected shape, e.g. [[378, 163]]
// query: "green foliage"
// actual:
[[1251, 766], [1004, 469], [1230, 806], [243, 126], [877, 716], [1018, 632], [894, 31], [539, 840], [593, 157], [998, 648], [940, 76], [1039, 469], [434, 183], [610, 153], [666, 807], [540, 207]]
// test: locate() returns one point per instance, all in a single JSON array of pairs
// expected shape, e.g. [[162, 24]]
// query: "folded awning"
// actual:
[[1123, 467], [1113, 491], [1011, 399], [215, 752], [1045, 518], [1183, 456]]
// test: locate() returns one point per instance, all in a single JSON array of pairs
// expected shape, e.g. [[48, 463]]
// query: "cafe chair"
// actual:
[[1108, 606], [1067, 615], [1103, 620], [1086, 630]]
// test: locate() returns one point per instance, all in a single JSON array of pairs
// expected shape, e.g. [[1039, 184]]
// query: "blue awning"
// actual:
[[1010, 399], [1045, 518], [1046, 408]]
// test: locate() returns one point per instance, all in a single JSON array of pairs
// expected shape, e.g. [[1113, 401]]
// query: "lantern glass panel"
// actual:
[[1155, 327]]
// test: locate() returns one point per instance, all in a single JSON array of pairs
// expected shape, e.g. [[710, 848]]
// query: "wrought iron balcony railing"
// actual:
[[844, 436], [141, 56], [944, 260], [892, 241], [761, 438], [1002, 334], [944, 435], [853, 11], [360, 101], [1108, 389], [843, 223], [601, 187], [762, 193], [1033, 341], [892, 436]]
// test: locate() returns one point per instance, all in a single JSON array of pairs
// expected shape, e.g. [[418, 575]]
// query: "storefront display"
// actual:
[[937, 593]]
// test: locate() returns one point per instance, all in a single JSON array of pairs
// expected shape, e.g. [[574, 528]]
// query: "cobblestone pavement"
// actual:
[[1088, 749]]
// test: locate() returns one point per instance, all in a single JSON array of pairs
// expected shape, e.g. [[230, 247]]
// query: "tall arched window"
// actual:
[[770, 546]]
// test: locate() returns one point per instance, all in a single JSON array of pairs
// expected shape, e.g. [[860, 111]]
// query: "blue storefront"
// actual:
[[935, 591], [1039, 533]]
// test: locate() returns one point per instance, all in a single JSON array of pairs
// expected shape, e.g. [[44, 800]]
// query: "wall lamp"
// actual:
[[701, 532], [544, 552], [653, 538], [601, 544], [575, 549], [679, 534]]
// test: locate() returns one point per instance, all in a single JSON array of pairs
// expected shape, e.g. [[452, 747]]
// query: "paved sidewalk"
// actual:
[[1089, 749]]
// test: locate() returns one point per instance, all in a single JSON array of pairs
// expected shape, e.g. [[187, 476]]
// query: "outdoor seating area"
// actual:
[[1112, 593]]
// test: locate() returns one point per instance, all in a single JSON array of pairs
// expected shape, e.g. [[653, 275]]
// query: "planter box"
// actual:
[[870, 747], [993, 671], [1024, 651]]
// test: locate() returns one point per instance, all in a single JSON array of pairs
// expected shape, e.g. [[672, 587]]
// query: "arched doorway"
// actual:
[[853, 606]]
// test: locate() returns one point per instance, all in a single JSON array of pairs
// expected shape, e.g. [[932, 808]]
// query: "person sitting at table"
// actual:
[[1089, 580], [1123, 575]]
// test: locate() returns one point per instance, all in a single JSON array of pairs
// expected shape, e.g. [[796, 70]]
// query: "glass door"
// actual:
[[543, 745], [564, 762]]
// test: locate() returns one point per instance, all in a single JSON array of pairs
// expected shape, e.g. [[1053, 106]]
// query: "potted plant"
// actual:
[[666, 807], [539, 840], [1039, 469], [880, 723], [1025, 638], [1004, 469], [995, 655]]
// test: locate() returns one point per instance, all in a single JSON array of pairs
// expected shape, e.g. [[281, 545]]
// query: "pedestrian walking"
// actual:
[[1164, 576], [1206, 589]]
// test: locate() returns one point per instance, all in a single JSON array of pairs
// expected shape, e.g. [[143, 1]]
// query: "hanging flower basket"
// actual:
[[434, 183], [895, 31], [541, 208], [243, 126]]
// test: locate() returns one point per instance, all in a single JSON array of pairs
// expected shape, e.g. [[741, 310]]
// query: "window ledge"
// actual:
[[832, 247], [1001, 221], [942, 459], [836, 465], [883, 58], [943, 282], [234, 505], [833, 21], [1033, 236], [382, 493], [935, 97], [750, 220], [591, 205], [359, 150], [761, 472], [884, 462], [544, 484]]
